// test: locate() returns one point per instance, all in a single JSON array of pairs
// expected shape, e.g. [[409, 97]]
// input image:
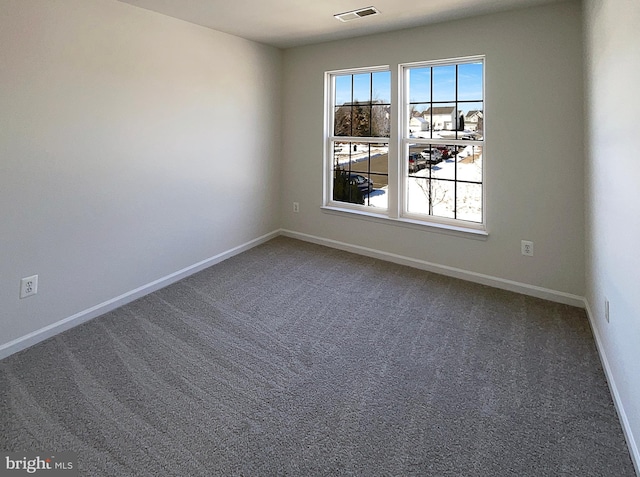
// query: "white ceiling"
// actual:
[[287, 23]]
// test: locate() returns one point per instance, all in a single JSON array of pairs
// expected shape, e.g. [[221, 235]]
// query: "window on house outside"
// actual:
[[437, 153]]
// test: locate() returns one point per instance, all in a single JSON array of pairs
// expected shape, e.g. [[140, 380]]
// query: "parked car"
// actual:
[[416, 162], [364, 184], [445, 151], [432, 156]]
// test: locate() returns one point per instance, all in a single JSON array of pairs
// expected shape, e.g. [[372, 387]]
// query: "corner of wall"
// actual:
[[632, 443]]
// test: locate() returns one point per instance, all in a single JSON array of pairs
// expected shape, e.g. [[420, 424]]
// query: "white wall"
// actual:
[[132, 146], [612, 70], [534, 154]]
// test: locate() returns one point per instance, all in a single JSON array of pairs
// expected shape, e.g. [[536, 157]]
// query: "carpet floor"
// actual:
[[300, 360]]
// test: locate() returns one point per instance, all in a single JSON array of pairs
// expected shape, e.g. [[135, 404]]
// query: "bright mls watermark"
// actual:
[[39, 463]]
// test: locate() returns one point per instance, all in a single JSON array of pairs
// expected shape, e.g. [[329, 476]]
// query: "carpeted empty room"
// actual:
[[297, 359]]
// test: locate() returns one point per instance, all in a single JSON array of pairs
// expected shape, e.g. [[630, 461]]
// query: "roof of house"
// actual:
[[439, 110]]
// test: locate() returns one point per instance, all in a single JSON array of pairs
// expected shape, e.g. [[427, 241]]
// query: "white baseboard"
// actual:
[[42, 334], [617, 401], [525, 289], [46, 332]]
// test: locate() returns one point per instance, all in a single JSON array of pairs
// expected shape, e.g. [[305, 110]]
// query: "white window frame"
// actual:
[[330, 139], [398, 143], [405, 140]]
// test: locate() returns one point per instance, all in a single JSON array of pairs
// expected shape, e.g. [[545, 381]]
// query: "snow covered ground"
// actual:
[[361, 153]]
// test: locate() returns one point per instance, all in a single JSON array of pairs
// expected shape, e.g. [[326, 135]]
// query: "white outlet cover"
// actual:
[[28, 286], [526, 247]]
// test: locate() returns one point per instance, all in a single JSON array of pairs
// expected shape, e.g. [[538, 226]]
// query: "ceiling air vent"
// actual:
[[355, 14]]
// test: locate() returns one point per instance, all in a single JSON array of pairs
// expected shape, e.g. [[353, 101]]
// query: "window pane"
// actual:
[[360, 173], [415, 161], [343, 90], [470, 82], [473, 120], [362, 88], [438, 158], [380, 120], [469, 163], [420, 120], [382, 87], [443, 119], [444, 83], [418, 195], [442, 198], [443, 157], [361, 119], [434, 197], [342, 121], [469, 202], [420, 85]]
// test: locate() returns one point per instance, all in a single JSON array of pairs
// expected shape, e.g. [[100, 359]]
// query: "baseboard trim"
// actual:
[[49, 331], [504, 284], [613, 389]]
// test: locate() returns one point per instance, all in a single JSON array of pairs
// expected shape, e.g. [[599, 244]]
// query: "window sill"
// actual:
[[408, 223]]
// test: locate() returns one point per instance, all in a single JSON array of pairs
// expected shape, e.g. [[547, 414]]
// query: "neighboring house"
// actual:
[[473, 121], [442, 117], [418, 123]]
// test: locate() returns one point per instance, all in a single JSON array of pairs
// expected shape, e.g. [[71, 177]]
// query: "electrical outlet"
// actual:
[[28, 286], [526, 247], [296, 207], [606, 310]]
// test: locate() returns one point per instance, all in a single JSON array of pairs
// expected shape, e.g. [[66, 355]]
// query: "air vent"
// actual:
[[355, 14]]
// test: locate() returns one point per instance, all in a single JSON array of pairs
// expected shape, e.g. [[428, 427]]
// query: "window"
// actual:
[[444, 113], [359, 138], [424, 165]]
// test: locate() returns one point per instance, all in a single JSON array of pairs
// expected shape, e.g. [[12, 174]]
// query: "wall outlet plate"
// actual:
[[28, 286]]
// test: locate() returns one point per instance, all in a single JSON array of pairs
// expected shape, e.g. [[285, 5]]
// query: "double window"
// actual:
[[420, 159]]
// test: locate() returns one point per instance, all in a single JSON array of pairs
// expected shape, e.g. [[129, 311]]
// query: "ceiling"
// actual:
[[288, 23]]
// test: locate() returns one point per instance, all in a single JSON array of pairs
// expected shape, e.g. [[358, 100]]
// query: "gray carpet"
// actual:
[[295, 359]]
